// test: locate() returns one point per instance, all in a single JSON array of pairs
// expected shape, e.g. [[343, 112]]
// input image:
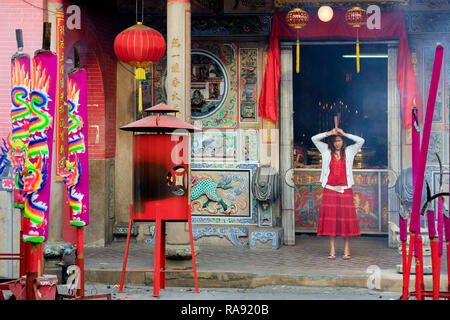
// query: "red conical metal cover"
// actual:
[[159, 121], [161, 108]]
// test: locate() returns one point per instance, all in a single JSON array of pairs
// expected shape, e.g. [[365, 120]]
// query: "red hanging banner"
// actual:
[[60, 110]]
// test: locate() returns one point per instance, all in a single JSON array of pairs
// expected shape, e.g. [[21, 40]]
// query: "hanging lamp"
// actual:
[[297, 18], [356, 18]]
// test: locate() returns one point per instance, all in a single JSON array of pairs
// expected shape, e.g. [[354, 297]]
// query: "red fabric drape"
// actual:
[[392, 27]]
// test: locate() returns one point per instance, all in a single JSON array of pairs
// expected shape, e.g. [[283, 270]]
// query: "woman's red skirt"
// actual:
[[338, 214]]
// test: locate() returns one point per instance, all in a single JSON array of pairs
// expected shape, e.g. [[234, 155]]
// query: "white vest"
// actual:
[[350, 153]]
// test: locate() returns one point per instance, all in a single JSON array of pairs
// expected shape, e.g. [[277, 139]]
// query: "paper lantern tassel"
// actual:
[[357, 53]]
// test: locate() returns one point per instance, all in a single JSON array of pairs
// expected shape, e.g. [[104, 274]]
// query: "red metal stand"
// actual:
[[7, 282], [159, 271]]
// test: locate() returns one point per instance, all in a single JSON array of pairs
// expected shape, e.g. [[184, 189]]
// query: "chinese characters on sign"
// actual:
[[176, 88], [60, 110]]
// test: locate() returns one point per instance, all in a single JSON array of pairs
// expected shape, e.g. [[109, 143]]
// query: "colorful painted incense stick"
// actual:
[[20, 116], [76, 175], [76, 171], [38, 163]]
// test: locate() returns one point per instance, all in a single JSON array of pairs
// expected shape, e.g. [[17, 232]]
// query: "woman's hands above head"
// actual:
[[332, 132], [340, 131], [336, 132]]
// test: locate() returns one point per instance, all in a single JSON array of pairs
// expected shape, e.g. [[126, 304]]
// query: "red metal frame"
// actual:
[[159, 270]]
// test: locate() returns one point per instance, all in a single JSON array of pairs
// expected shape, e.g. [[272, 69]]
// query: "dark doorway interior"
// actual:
[[328, 84]]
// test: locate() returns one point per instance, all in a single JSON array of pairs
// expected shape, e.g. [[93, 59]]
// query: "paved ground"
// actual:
[[373, 265], [278, 292]]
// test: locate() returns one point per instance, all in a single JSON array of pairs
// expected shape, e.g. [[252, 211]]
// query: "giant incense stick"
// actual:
[[419, 172], [76, 172]]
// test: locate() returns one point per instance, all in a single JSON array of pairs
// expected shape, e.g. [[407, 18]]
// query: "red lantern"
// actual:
[[297, 19], [139, 46], [356, 18]]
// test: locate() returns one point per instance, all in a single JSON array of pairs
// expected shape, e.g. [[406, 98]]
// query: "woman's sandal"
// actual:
[[346, 257], [331, 256]]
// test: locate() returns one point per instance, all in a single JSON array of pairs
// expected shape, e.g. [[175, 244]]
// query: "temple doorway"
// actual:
[[328, 85]]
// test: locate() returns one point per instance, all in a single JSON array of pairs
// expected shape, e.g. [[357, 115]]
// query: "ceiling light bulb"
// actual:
[[325, 13]]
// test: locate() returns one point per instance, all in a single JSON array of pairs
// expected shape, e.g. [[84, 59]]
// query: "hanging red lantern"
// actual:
[[356, 18], [297, 19], [139, 46]]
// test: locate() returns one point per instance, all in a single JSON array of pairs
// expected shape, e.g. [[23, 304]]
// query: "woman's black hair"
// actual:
[[331, 140]]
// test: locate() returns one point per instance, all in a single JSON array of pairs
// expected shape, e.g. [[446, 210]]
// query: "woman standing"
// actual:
[[337, 212]]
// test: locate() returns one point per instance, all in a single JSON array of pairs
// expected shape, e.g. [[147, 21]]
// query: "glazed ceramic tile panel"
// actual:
[[248, 84], [248, 145], [223, 196], [226, 115], [436, 146]]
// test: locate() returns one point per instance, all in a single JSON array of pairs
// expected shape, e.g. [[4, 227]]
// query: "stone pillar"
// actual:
[[125, 106], [178, 88], [179, 57], [286, 143], [394, 138]]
